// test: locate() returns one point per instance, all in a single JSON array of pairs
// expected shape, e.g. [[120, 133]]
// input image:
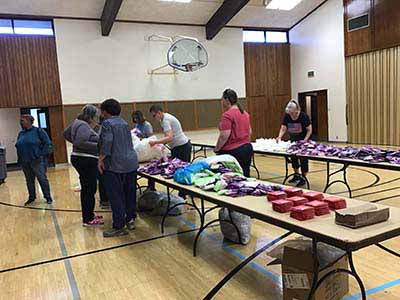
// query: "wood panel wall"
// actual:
[[267, 86], [193, 114], [384, 29], [56, 129], [29, 74], [373, 97]]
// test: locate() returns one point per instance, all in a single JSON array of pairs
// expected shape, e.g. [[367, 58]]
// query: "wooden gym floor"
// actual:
[[47, 254]]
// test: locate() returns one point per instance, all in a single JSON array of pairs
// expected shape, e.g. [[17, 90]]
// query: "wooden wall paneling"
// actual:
[[257, 111], [361, 40], [322, 112], [387, 23], [184, 111], [71, 112], [57, 128], [255, 64], [209, 113], [196, 115], [30, 74], [281, 82], [126, 113]]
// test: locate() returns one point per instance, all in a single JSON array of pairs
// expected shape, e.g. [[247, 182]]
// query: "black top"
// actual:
[[297, 128]]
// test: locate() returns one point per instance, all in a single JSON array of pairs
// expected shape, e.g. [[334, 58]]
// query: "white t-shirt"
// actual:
[[168, 123]]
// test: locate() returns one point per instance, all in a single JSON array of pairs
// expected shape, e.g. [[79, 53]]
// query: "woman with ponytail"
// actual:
[[235, 131]]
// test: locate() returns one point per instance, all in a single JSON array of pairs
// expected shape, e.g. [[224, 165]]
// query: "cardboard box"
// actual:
[[292, 191], [276, 195], [302, 212], [297, 270], [362, 215], [335, 202], [297, 200], [282, 205], [311, 196], [321, 208]]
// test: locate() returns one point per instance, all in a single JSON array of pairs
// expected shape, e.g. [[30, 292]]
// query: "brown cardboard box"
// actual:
[[297, 269], [363, 215], [297, 275]]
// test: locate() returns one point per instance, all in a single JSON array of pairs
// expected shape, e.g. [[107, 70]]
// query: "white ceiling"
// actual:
[[197, 12]]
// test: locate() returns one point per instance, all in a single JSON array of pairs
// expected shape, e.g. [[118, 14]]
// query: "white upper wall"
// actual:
[[93, 67], [317, 44]]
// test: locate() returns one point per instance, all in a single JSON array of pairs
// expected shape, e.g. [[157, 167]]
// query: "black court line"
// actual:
[[385, 198], [98, 250]]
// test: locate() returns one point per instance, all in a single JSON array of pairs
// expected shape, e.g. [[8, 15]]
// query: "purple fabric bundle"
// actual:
[[365, 153], [165, 167]]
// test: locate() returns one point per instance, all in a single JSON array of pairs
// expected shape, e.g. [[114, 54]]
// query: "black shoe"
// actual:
[[301, 182], [295, 178], [30, 201], [49, 201], [131, 225]]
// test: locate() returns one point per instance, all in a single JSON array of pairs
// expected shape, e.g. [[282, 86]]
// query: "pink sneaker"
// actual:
[[94, 222], [98, 217]]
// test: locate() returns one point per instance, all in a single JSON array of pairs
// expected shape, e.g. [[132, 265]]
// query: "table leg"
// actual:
[[254, 166], [351, 272], [344, 181], [167, 211]]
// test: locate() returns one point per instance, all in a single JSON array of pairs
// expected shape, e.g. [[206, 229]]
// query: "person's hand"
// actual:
[[152, 143], [100, 166], [278, 139]]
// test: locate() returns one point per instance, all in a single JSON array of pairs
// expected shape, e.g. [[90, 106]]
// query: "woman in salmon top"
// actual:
[[235, 132]]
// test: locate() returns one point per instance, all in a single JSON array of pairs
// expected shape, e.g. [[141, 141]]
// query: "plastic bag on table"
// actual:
[[146, 153], [227, 160], [186, 175], [243, 222]]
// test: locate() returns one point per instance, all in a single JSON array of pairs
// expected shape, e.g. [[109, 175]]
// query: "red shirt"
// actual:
[[239, 125]]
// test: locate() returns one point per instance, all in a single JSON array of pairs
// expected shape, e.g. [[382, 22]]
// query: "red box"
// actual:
[[335, 202], [292, 191], [311, 196], [282, 205], [297, 200], [321, 208], [271, 196], [302, 212]]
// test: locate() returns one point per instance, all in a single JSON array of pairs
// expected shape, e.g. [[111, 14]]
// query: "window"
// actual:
[[6, 26], [276, 36], [28, 27], [253, 36]]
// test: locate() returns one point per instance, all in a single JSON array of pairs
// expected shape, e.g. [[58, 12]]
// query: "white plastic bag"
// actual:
[[146, 153]]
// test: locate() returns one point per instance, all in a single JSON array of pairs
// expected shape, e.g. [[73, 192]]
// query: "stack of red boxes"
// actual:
[[292, 191], [311, 196], [302, 212], [271, 196], [297, 200], [282, 205], [335, 203], [321, 208]]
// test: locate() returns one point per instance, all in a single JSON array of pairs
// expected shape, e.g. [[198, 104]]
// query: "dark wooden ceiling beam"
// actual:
[[110, 12], [223, 15]]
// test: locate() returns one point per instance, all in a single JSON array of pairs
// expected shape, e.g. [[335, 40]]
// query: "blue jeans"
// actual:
[[36, 169], [121, 192]]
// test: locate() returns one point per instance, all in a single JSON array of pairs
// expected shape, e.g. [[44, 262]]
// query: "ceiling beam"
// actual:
[[223, 15], [110, 12]]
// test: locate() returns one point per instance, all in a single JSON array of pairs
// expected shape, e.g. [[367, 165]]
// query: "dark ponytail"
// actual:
[[231, 96]]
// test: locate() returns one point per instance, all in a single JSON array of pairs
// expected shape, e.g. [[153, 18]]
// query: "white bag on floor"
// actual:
[[161, 206], [243, 222], [145, 152]]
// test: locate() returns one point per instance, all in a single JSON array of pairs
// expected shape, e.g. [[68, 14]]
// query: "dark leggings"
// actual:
[[243, 155], [300, 163]]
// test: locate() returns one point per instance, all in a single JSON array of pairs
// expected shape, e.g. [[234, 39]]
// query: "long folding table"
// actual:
[[319, 229], [199, 149]]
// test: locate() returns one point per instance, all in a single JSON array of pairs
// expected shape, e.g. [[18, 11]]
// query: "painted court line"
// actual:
[[71, 278]]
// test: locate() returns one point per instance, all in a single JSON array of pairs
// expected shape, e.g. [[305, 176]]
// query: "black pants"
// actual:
[[36, 169], [300, 163], [243, 155], [121, 192], [102, 190], [87, 170]]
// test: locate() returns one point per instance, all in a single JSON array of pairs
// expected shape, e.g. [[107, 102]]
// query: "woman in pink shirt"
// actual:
[[235, 132]]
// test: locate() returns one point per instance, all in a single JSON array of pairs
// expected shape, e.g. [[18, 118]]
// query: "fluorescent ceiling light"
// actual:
[[281, 4]]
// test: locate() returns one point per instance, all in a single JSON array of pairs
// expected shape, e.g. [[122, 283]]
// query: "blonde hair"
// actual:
[[292, 104]]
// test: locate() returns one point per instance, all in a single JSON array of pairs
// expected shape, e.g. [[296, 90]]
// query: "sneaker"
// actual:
[[94, 222], [301, 182], [98, 217], [295, 178], [131, 225], [115, 232], [30, 201], [49, 201]]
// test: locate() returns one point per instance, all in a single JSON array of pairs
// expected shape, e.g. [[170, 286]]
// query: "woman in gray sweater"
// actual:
[[84, 158]]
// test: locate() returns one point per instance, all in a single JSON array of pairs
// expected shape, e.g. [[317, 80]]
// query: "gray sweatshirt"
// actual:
[[83, 138]]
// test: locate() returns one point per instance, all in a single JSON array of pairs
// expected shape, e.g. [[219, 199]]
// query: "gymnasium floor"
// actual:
[[47, 254]]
